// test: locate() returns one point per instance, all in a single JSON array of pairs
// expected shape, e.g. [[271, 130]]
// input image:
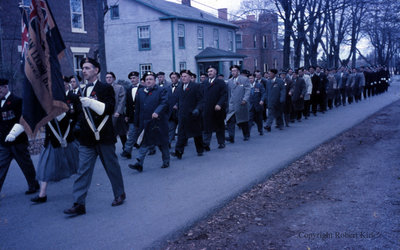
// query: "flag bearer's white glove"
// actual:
[[93, 104], [16, 130]]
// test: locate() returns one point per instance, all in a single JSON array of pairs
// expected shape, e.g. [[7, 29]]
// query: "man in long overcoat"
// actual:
[[151, 120], [214, 112], [238, 112], [190, 106], [276, 95], [257, 100], [298, 92], [118, 118]]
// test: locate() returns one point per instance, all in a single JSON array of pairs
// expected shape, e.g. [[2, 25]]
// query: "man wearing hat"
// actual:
[[190, 106], [97, 138], [151, 120], [130, 112], [13, 140], [239, 88], [161, 80], [214, 112]]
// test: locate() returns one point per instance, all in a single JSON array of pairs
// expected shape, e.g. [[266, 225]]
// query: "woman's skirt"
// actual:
[[56, 164]]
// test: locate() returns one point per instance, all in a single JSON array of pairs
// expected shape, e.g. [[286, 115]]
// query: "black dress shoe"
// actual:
[[230, 139], [207, 148], [222, 145], [119, 200], [126, 155], [246, 138], [165, 166], [76, 209], [152, 152], [268, 128], [200, 154], [261, 132], [177, 154], [33, 189], [38, 199], [136, 166]]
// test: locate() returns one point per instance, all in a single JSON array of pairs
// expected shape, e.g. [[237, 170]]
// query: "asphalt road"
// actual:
[[163, 202]]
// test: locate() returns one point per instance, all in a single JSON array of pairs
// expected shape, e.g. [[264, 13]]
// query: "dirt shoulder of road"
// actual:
[[341, 195]]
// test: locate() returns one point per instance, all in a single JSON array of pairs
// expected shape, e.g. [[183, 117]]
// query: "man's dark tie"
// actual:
[[89, 85]]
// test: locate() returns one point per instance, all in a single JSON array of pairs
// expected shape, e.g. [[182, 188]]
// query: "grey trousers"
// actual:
[[132, 138], [87, 160], [144, 149]]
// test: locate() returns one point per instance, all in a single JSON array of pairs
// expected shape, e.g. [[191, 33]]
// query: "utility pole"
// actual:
[[102, 42]]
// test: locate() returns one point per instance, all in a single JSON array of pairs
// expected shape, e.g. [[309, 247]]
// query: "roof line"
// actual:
[[234, 26]]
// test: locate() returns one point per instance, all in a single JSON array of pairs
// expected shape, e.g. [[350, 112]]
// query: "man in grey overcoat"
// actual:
[[238, 112]]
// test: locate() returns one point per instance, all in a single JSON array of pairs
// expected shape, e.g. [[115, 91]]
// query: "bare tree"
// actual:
[[383, 29]]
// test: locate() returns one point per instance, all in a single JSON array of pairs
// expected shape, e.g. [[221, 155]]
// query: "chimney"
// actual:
[[223, 13], [186, 2], [251, 17]]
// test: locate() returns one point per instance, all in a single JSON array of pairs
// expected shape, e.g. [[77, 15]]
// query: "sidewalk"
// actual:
[[162, 202]]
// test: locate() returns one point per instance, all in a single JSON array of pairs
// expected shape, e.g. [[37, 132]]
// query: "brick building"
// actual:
[[76, 20], [258, 40]]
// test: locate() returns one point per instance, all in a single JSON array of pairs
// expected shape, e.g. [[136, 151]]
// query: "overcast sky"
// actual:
[[211, 6]]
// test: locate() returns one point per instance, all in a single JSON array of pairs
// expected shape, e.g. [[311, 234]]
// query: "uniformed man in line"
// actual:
[[118, 118], [189, 106], [214, 112], [173, 117], [130, 112], [151, 120], [238, 111], [96, 137], [13, 139]]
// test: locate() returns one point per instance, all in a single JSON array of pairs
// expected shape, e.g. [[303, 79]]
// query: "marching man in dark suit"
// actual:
[[96, 139], [190, 105], [151, 120], [13, 140], [215, 104]]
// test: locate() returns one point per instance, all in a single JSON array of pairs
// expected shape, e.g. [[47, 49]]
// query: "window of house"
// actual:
[[265, 67], [143, 68], [77, 23], [264, 41], [182, 66], [238, 41], [230, 40], [181, 36], [255, 41], [255, 63], [144, 38], [78, 57], [274, 41], [216, 38], [275, 63], [200, 38], [114, 11]]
